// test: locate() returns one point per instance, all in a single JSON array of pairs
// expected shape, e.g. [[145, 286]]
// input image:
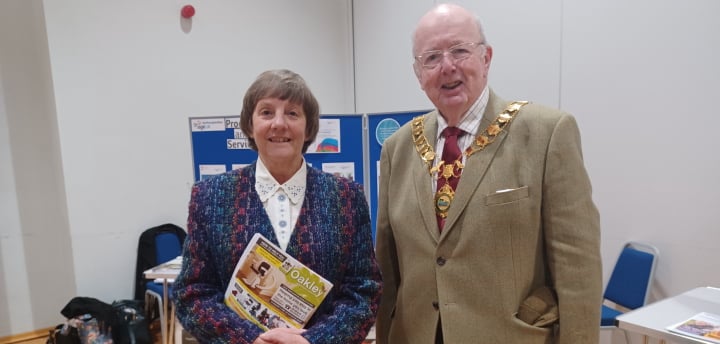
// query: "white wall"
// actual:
[[12, 253], [639, 76], [525, 35], [35, 245], [127, 76]]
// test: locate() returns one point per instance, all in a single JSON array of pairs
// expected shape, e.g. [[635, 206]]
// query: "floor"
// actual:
[[154, 331], [157, 338], [606, 337], [35, 341]]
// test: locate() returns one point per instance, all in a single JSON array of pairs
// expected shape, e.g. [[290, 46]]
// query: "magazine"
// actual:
[[168, 270], [704, 326], [272, 289], [171, 266]]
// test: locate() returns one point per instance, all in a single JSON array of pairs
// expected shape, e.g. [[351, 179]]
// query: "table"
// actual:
[[653, 319], [166, 272]]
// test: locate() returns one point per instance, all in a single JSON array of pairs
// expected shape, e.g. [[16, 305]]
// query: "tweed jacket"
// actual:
[[522, 218], [332, 236]]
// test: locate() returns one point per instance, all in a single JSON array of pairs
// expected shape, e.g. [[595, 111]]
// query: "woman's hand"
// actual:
[[282, 336]]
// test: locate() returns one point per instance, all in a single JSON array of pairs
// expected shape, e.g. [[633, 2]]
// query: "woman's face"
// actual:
[[278, 128]]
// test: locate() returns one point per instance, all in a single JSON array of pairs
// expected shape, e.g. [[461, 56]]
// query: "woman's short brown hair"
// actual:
[[285, 85]]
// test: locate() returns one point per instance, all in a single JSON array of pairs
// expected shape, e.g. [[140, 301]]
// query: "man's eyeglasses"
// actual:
[[432, 58]]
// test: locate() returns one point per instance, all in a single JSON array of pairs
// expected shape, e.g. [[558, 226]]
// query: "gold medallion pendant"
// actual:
[[445, 196], [448, 171], [443, 199]]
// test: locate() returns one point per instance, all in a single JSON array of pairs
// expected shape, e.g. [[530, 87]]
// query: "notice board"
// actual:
[[381, 126], [348, 145], [219, 145]]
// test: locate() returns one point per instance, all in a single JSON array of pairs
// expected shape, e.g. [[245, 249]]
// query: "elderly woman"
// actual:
[[321, 220]]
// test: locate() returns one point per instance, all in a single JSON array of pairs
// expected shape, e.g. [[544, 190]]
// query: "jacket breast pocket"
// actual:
[[507, 195]]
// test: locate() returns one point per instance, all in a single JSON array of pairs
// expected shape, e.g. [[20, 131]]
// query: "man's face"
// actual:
[[452, 85]]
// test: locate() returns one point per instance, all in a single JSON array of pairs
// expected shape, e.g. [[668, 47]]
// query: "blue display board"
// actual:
[[348, 144], [351, 146], [381, 126], [218, 145]]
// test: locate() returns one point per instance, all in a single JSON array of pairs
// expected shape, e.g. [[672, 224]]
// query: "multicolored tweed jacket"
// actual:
[[332, 236]]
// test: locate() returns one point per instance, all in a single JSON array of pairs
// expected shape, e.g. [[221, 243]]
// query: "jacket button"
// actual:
[[436, 306], [440, 261]]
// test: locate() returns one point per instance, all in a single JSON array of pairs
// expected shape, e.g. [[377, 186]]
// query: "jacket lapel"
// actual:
[[423, 180], [476, 165], [301, 228]]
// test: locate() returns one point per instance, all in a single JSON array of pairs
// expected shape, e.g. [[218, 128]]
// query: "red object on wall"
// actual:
[[187, 11]]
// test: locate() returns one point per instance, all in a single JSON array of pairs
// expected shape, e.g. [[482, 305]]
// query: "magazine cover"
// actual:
[[273, 289], [704, 326]]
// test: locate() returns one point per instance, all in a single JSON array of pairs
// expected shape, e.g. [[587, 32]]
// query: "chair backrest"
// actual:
[[167, 247], [156, 245], [631, 278]]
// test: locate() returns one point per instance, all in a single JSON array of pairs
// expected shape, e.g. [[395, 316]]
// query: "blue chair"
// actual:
[[630, 281], [168, 245]]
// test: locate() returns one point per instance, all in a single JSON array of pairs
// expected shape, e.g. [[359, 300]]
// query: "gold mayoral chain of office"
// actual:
[[445, 196]]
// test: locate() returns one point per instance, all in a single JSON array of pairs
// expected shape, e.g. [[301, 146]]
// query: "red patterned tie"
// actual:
[[451, 153]]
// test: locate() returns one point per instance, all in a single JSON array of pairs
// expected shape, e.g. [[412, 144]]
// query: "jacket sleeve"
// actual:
[[386, 252], [572, 234], [198, 291]]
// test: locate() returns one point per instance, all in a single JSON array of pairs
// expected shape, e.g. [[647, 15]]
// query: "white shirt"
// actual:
[[468, 123], [283, 202]]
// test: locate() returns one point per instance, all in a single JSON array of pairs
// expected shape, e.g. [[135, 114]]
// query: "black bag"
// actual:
[[63, 334], [92, 317], [124, 320], [130, 325]]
